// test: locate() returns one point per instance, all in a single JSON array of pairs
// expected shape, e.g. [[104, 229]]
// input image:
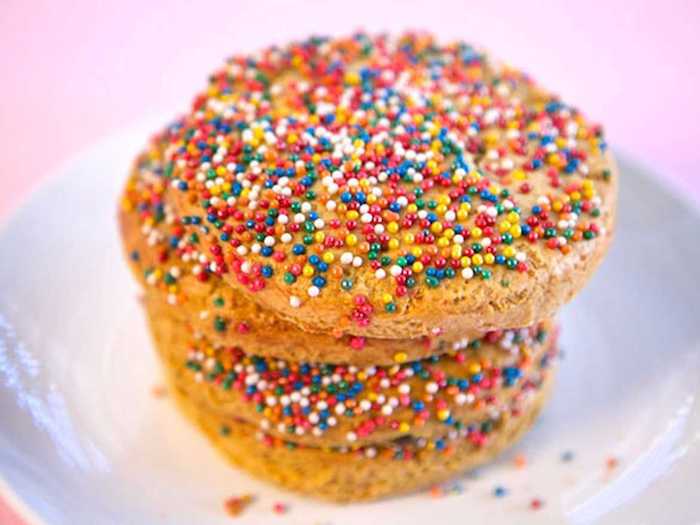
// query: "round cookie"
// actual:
[[336, 405], [379, 187], [166, 260], [367, 473]]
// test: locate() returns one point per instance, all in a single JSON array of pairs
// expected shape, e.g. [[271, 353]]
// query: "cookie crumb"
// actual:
[[159, 391], [235, 505]]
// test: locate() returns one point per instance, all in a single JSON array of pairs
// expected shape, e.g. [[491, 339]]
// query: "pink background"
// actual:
[[73, 72]]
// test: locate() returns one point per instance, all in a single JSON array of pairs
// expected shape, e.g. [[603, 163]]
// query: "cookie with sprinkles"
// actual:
[[327, 405], [380, 186], [360, 473], [167, 262], [340, 243]]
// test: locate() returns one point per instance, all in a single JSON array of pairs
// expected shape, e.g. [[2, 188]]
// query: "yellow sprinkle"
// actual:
[[351, 239], [392, 227], [393, 244], [476, 232], [328, 257], [308, 270], [477, 259], [400, 357], [417, 267], [436, 227], [518, 174], [553, 159], [387, 298], [404, 427], [489, 258], [352, 78]]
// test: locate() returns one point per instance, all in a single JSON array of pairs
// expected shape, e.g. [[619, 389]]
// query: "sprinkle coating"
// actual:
[[376, 174]]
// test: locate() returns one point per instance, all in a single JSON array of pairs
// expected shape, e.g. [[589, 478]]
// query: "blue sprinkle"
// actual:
[[500, 491]]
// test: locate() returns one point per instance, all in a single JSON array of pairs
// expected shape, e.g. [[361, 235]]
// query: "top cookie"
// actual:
[[392, 187]]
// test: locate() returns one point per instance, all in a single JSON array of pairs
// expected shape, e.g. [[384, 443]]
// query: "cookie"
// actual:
[[336, 405], [365, 473], [386, 187], [164, 259]]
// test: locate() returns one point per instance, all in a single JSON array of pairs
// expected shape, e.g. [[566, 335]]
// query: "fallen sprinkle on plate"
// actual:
[[567, 456], [500, 491], [536, 504], [280, 508], [520, 461]]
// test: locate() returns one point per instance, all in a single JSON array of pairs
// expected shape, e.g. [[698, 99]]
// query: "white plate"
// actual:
[[83, 441]]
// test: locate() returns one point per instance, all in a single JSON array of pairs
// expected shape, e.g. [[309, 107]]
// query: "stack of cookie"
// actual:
[[352, 251]]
